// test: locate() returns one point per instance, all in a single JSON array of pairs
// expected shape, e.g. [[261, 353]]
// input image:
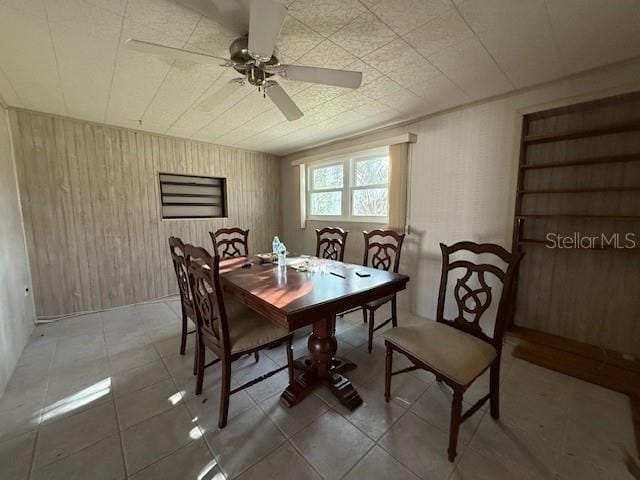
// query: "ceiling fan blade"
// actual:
[[213, 100], [283, 101], [173, 53], [232, 14], [324, 76], [265, 22]]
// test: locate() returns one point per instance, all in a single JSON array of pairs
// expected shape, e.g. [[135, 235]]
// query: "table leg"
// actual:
[[322, 368]]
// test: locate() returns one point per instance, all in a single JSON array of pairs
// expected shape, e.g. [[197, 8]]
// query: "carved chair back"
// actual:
[[204, 281], [230, 242], [176, 246], [382, 249], [472, 294], [331, 243]]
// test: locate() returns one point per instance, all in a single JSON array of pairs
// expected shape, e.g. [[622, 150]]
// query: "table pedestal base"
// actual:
[[306, 380], [322, 368]]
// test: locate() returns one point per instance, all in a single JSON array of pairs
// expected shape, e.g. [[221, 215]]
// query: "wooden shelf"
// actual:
[[600, 217], [581, 190], [584, 161], [573, 134]]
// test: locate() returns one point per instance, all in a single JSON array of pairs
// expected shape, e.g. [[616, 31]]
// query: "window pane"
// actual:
[[326, 203], [370, 202], [327, 177], [372, 171]]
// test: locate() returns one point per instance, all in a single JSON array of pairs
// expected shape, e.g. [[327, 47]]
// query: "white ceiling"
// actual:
[[418, 57]]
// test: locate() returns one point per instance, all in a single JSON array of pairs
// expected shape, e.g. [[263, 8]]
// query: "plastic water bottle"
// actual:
[[275, 244], [282, 255]]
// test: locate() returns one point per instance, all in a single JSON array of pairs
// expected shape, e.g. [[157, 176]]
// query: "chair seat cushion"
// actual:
[[450, 352], [248, 329], [379, 302]]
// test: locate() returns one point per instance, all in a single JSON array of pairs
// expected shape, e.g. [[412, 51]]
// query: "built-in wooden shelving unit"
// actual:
[[579, 174]]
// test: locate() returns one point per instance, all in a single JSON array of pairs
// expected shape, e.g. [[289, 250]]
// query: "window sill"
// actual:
[[381, 221]]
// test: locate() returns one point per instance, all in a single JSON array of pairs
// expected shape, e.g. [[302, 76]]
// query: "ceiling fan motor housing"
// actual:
[[245, 64]]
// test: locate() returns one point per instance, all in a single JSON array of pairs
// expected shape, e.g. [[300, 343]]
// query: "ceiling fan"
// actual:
[[253, 55]]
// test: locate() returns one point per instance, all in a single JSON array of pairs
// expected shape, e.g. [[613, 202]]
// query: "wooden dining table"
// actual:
[[294, 299]]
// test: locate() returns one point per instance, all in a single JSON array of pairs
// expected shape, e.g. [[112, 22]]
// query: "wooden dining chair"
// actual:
[[230, 242], [227, 328], [176, 247], [457, 350], [331, 243], [382, 249]]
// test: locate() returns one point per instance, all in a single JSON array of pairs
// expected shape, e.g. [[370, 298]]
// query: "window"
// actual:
[[189, 196], [351, 188]]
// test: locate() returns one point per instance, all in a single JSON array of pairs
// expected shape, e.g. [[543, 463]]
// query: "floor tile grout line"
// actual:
[[360, 460], [40, 414], [115, 408], [394, 457], [300, 452]]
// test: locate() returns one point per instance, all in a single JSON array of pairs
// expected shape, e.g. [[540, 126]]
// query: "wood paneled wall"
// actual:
[[90, 198]]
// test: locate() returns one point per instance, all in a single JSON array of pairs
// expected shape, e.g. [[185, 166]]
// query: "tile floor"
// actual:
[[106, 397]]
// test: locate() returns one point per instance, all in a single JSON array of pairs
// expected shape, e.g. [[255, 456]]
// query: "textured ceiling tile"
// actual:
[[296, 39], [161, 19], [442, 32], [181, 88], [30, 64], [400, 99], [595, 33], [113, 6], [352, 100], [513, 31], [381, 87], [194, 119], [326, 16], [328, 55], [86, 67], [25, 7], [470, 67], [8, 93], [211, 38], [363, 35], [290, 86], [398, 60], [440, 92], [136, 79], [405, 15], [84, 18], [371, 109], [315, 95], [369, 74], [236, 116]]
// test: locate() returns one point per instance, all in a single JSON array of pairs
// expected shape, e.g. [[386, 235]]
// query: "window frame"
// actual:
[[348, 187]]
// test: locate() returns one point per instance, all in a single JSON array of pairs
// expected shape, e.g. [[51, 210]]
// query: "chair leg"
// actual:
[[195, 358], [394, 312], [364, 315], [225, 393], [256, 354], [387, 373], [494, 388], [454, 428], [183, 336], [200, 351], [371, 323], [289, 348]]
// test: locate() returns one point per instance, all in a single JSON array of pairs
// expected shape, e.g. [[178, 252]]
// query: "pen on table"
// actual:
[[337, 274]]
